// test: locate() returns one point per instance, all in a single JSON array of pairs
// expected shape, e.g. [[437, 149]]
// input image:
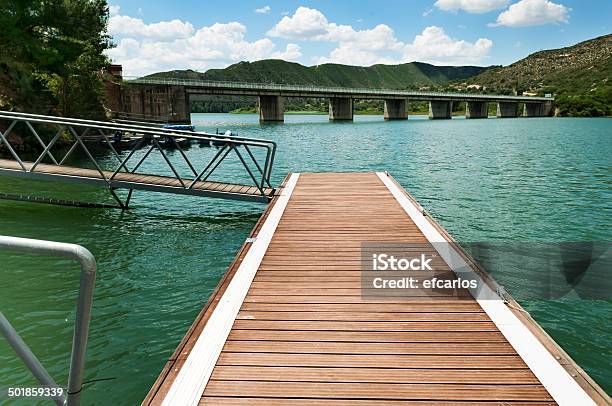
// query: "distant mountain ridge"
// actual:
[[576, 69], [403, 76], [578, 76]]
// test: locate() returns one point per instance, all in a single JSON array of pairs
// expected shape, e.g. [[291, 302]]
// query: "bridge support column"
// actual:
[[507, 109], [395, 109], [531, 110], [440, 109], [541, 109], [340, 108], [476, 109], [271, 109], [156, 103], [548, 109]]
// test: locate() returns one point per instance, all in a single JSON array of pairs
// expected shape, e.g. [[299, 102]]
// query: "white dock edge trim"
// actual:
[[557, 381], [191, 380]]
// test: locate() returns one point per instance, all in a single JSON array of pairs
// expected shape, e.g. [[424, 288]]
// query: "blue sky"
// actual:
[[153, 36]]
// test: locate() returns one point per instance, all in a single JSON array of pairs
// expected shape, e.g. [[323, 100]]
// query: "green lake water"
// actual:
[[537, 179]]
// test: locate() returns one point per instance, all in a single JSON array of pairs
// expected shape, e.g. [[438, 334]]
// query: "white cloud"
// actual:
[[363, 47], [434, 46], [378, 44], [263, 10], [306, 23], [471, 6], [533, 12], [113, 9], [291, 53], [119, 25], [146, 48]]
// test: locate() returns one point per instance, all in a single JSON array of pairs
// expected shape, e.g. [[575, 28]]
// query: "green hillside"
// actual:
[[579, 77], [404, 76]]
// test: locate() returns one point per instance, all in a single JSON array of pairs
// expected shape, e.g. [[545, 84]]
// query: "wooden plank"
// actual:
[[413, 375], [359, 316], [370, 336], [322, 347], [373, 360], [263, 401], [362, 308], [396, 391], [277, 297], [364, 325]]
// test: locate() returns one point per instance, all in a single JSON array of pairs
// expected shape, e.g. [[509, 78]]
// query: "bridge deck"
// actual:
[[288, 323], [136, 181]]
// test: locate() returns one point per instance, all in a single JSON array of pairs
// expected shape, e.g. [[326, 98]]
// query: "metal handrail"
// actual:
[[326, 89], [259, 172], [83, 314], [119, 126]]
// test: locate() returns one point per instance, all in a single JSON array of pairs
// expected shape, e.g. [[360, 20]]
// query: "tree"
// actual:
[[51, 56]]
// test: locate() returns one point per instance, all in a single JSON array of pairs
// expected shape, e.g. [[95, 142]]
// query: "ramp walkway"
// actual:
[[132, 146]]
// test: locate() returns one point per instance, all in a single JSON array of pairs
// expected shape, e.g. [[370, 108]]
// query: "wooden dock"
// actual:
[[289, 324]]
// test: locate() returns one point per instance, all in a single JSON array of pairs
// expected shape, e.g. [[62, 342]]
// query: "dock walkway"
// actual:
[[135, 181], [288, 323]]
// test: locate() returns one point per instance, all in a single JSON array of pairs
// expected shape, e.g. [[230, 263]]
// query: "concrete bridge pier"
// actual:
[[271, 109], [440, 109], [476, 109], [507, 109], [395, 109], [548, 108], [532, 110], [541, 109], [340, 108]]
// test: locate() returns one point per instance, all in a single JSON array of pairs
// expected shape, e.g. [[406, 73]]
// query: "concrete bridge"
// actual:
[[171, 98]]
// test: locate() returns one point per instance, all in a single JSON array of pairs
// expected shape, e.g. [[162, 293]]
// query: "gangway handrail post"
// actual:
[[87, 281]]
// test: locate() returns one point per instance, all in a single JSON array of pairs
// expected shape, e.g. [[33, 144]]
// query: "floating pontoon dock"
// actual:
[[288, 323]]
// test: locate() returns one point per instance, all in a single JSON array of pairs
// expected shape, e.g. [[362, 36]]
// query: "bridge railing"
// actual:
[[325, 89], [256, 156]]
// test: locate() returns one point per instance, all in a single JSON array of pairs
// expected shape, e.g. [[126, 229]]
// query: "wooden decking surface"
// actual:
[[305, 335], [134, 178]]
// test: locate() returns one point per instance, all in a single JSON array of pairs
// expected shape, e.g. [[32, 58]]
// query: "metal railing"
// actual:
[[326, 89], [255, 155], [83, 315]]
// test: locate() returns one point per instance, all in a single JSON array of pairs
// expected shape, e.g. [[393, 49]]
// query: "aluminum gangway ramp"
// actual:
[[290, 322], [88, 144]]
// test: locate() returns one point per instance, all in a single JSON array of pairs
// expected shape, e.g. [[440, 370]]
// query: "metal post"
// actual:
[[27, 356], [81, 333], [83, 313], [8, 144]]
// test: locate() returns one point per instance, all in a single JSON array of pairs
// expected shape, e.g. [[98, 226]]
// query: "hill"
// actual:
[[579, 77], [403, 76]]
